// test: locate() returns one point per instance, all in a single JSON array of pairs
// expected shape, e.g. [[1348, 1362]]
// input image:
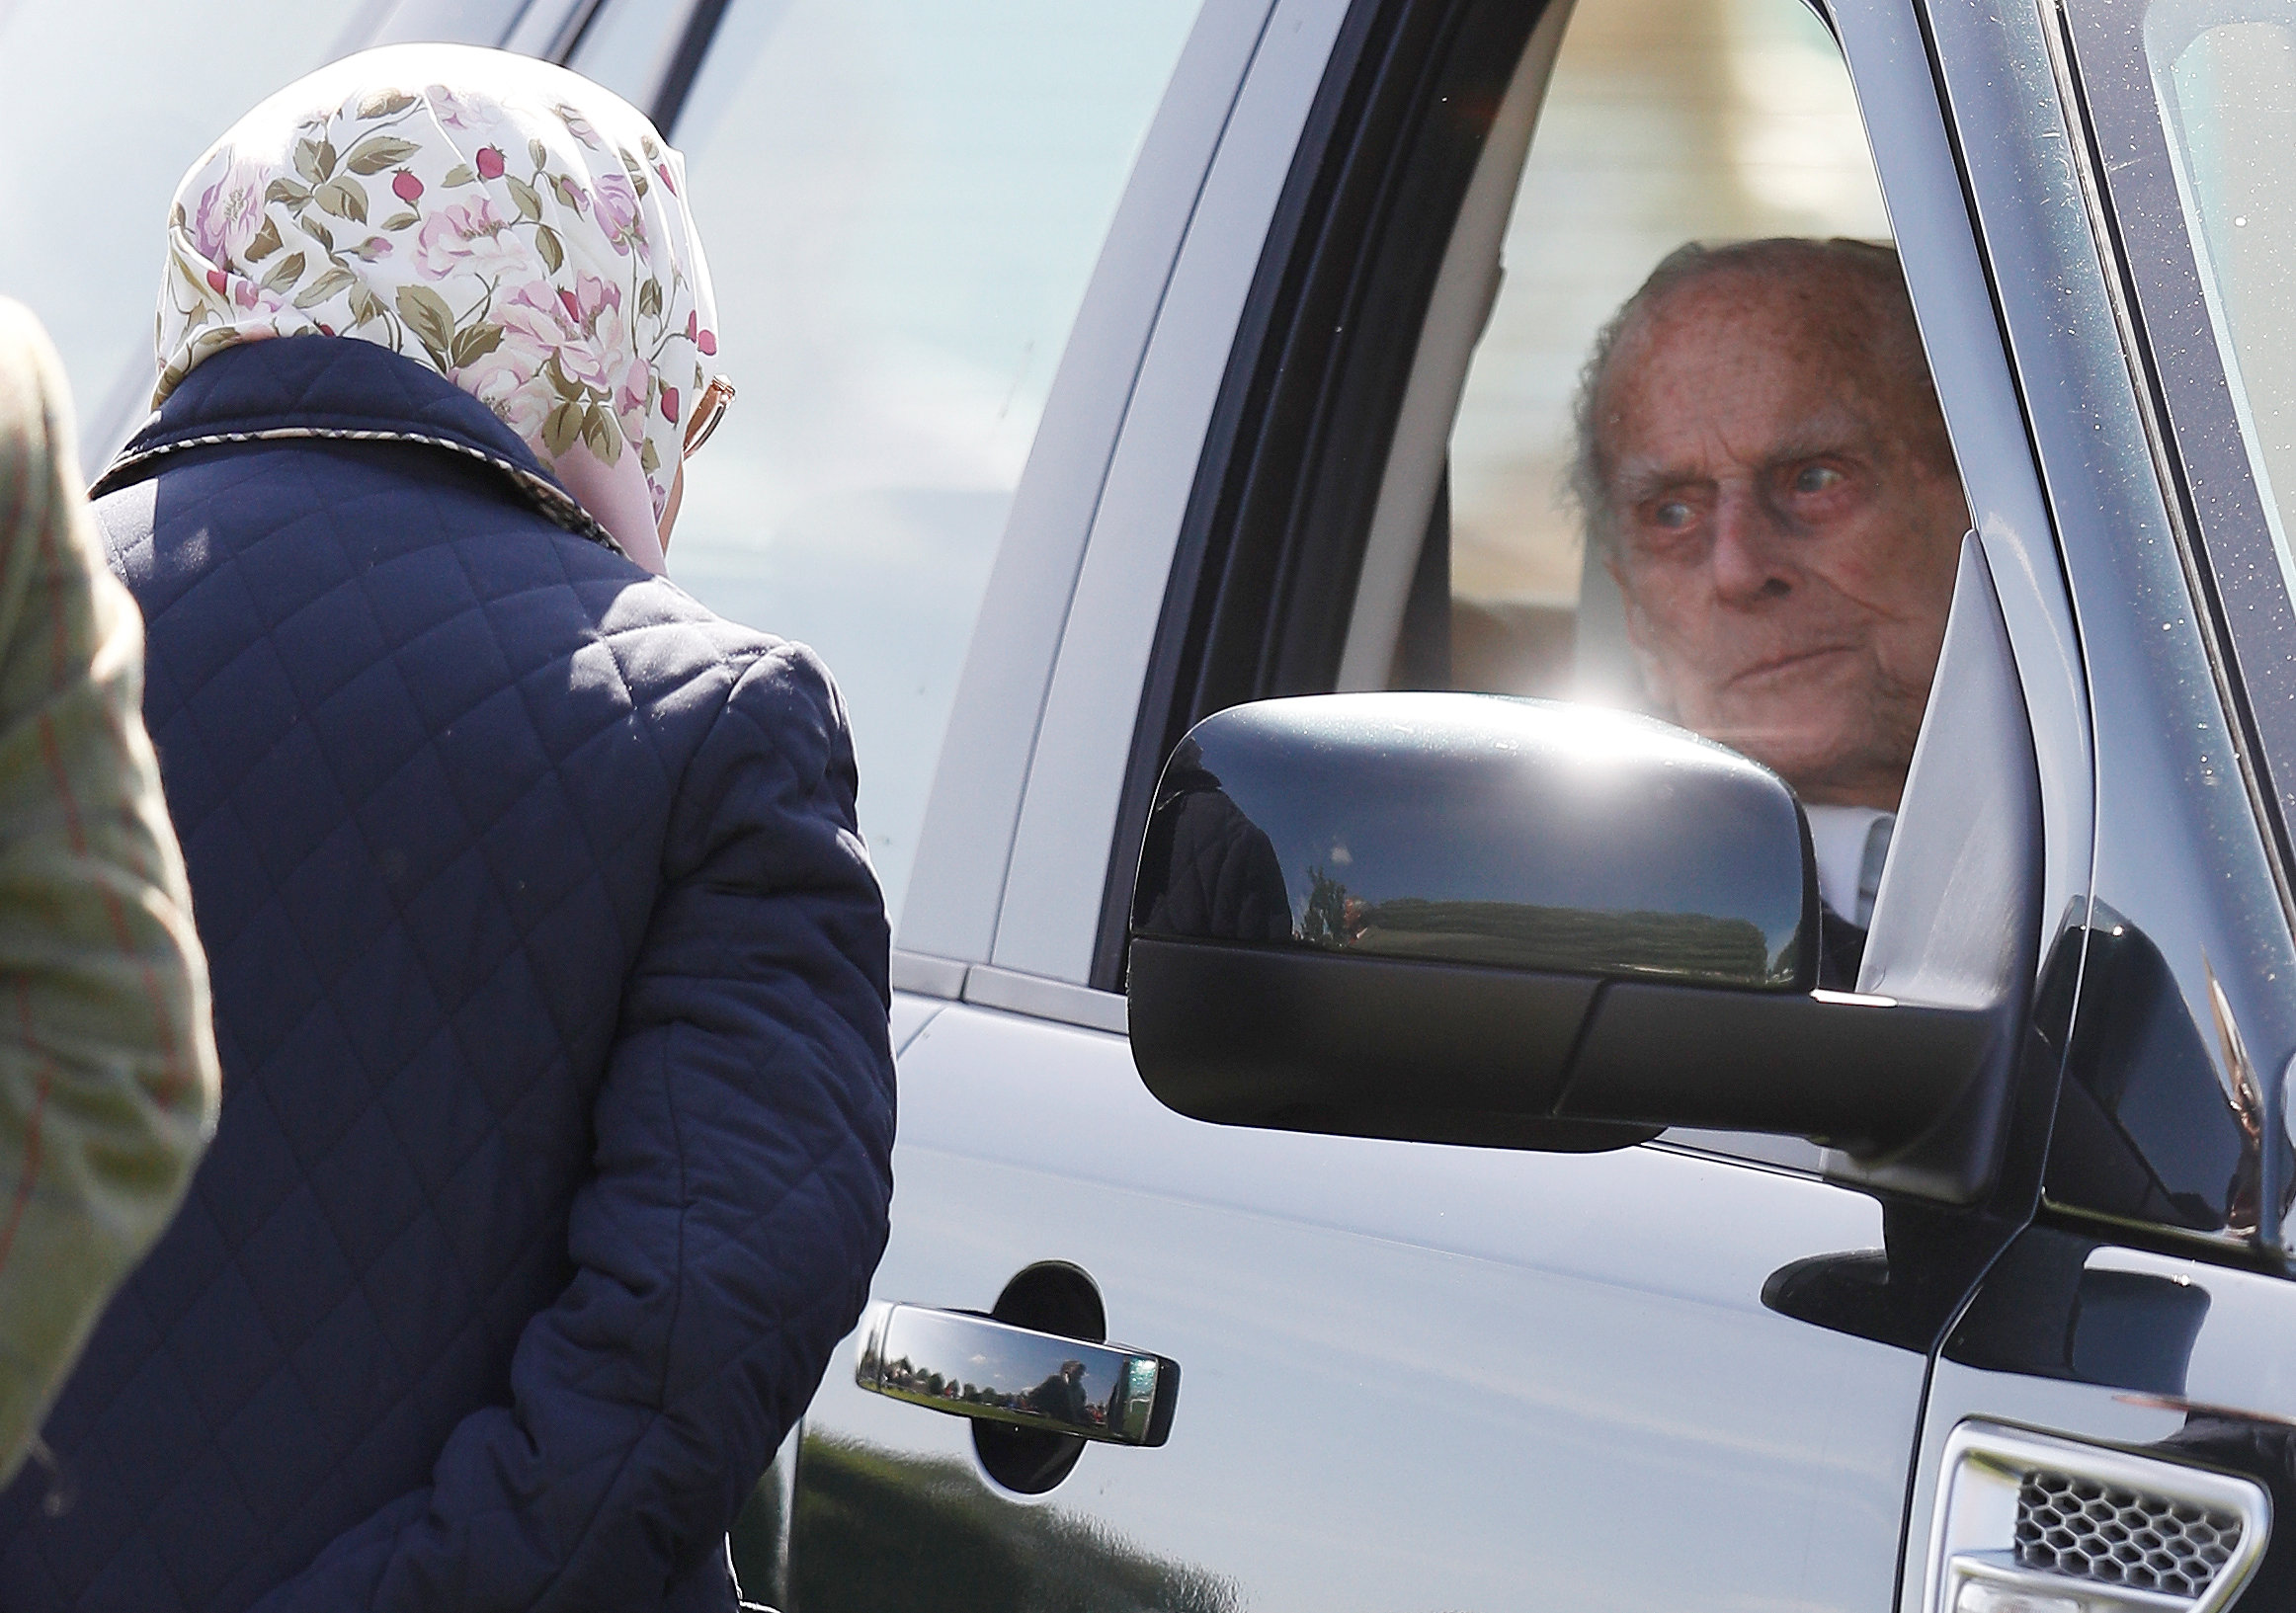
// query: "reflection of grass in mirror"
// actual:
[[1679, 945], [756, 1543], [876, 1530], [1523, 936]]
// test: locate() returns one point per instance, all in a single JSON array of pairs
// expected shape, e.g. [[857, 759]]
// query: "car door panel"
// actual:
[[1411, 1375], [2124, 1349], [1418, 1375]]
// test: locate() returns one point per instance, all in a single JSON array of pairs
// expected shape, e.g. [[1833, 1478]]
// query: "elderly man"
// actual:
[[1764, 464]]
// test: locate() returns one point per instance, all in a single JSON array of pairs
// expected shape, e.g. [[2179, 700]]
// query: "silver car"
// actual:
[[1140, 394]]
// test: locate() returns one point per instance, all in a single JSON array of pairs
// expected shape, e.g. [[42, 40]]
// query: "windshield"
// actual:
[[2225, 78]]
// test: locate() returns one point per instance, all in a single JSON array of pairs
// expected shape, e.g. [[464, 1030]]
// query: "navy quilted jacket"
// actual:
[[550, 977]]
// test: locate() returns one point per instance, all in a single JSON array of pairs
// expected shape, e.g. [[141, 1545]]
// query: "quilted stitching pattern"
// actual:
[[549, 982], [1221, 876]]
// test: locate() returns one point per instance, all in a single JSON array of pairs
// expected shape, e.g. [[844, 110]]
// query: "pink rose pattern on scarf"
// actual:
[[538, 255]]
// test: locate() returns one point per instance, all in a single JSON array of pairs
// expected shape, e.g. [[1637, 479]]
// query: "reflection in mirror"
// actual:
[[1066, 1395], [974, 1366], [2146, 1128], [1049, 1297], [1515, 834], [876, 1530]]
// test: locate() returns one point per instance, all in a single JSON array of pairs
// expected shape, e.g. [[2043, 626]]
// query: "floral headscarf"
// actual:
[[500, 220]]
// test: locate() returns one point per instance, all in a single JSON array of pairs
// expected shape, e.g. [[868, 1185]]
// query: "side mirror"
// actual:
[[1461, 918]]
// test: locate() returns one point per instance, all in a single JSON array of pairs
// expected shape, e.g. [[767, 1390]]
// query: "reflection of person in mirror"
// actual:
[[1061, 1395], [1765, 467], [1224, 881]]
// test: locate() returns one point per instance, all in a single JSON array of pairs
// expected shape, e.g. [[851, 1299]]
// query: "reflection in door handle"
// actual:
[[973, 1366]]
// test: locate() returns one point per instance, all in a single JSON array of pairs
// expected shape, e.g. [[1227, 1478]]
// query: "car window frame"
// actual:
[[1918, 156], [1253, 605], [2224, 533], [1917, 159]]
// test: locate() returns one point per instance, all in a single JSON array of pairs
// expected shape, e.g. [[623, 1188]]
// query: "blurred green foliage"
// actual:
[[875, 1530]]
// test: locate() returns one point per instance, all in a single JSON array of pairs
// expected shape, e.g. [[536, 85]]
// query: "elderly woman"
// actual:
[[548, 965]]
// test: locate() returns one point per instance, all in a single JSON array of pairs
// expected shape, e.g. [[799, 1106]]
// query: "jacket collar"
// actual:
[[340, 389]]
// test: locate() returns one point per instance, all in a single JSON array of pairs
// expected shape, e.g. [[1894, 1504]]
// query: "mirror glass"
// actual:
[[1481, 830]]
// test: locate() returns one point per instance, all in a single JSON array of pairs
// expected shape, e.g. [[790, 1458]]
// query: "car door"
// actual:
[[2110, 1420], [1685, 1373]]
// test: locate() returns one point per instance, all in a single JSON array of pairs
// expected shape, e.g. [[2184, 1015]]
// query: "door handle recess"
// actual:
[[974, 1366]]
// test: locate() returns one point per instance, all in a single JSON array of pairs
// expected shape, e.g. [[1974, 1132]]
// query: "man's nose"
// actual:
[[1749, 557]]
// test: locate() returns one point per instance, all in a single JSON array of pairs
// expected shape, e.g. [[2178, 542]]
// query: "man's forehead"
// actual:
[[1746, 372], [1679, 433]]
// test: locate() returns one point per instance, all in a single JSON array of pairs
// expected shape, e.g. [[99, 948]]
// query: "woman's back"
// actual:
[[533, 905]]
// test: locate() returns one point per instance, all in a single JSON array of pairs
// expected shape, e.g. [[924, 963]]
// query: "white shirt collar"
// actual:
[[1841, 836]]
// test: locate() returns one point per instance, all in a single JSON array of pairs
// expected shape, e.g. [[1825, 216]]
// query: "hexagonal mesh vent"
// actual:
[[2123, 1537]]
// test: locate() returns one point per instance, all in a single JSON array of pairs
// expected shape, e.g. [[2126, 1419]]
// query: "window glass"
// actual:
[[1665, 121], [902, 200], [2228, 93], [107, 104], [625, 45]]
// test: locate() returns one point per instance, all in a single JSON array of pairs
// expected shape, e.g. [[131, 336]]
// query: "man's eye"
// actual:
[[1817, 479], [1671, 514]]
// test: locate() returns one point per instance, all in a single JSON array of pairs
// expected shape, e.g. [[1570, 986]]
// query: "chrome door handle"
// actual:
[[974, 1366]]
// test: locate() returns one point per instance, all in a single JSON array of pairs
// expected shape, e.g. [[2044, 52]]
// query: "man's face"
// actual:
[[1786, 532]]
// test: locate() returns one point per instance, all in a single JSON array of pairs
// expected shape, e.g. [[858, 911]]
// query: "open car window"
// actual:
[[1723, 121], [1758, 533]]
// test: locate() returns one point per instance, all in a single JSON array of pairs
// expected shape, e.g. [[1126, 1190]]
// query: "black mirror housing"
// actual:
[[1459, 918], [1475, 829]]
